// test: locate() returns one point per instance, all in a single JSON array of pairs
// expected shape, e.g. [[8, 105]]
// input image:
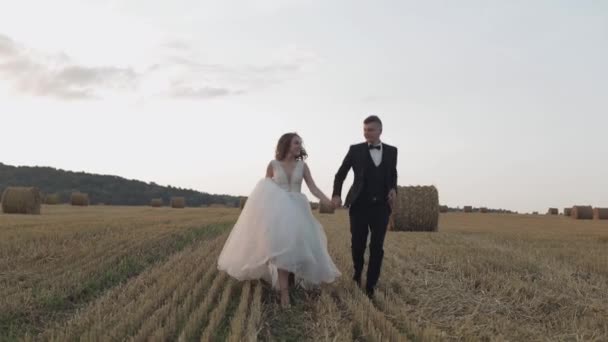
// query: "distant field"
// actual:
[[138, 273]]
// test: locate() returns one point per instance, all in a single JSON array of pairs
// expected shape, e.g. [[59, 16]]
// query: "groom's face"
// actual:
[[372, 132]]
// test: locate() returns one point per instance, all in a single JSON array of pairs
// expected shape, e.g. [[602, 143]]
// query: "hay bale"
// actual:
[[314, 206], [483, 210], [468, 209], [567, 211], [156, 202], [79, 199], [326, 209], [178, 202], [21, 200], [444, 209], [582, 212], [553, 211], [535, 213], [416, 209], [600, 213], [242, 202], [52, 199]]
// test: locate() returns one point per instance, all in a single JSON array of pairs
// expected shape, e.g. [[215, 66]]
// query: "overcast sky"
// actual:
[[497, 103]]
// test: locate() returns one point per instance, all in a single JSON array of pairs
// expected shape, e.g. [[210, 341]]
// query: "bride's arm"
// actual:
[[269, 171], [313, 187]]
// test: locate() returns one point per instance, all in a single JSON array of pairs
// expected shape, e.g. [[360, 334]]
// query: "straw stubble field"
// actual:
[[116, 273]]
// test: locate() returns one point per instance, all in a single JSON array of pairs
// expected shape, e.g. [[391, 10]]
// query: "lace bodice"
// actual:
[[281, 177]]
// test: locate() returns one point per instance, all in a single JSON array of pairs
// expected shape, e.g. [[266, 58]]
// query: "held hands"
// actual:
[[327, 202], [336, 201]]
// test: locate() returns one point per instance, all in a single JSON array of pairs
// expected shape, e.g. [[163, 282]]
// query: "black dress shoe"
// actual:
[[369, 292]]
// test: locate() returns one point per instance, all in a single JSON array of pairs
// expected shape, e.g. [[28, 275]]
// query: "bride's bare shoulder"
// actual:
[[270, 169]]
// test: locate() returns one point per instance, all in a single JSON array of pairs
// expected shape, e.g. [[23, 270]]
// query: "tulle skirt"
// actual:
[[277, 230]]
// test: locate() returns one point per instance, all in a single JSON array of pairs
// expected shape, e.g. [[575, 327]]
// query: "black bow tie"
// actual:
[[377, 147]]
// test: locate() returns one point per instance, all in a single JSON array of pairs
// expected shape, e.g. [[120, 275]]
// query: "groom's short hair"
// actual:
[[372, 118]]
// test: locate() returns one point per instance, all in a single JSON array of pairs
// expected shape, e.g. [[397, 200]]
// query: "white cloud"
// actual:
[[37, 74], [180, 73]]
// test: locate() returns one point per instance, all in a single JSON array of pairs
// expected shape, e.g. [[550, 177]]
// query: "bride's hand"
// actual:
[[328, 203]]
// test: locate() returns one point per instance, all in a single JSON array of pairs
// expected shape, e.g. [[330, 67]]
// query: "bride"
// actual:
[[276, 233]]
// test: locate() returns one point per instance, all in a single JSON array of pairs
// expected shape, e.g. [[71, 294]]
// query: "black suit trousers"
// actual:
[[368, 218]]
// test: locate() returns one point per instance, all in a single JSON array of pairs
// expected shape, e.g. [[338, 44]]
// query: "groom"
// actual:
[[370, 198]]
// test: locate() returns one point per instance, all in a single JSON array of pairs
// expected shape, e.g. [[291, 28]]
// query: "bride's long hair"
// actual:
[[284, 145]]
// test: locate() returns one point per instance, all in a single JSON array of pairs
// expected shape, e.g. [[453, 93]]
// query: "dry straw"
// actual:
[[582, 212], [567, 211], [416, 209], [553, 211], [21, 200], [468, 209], [600, 213], [79, 199], [444, 209], [156, 202], [178, 202], [483, 210]]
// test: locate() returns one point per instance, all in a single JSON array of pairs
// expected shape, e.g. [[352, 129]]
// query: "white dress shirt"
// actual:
[[376, 154]]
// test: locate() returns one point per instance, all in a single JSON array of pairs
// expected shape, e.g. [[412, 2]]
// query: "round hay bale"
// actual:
[[21, 200], [52, 199], [483, 210], [582, 212], [468, 209], [242, 202], [156, 202], [535, 213], [553, 211], [416, 209], [567, 211], [444, 209], [600, 213], [79, 199], [326, 209], [178, 202]]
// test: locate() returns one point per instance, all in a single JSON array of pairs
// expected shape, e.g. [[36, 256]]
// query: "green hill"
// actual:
[[105, 189]]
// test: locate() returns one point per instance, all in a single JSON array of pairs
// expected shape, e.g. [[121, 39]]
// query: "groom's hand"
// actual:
[[337, 201]]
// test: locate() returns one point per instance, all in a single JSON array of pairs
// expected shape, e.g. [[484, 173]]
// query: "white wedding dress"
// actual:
[[277, 230]]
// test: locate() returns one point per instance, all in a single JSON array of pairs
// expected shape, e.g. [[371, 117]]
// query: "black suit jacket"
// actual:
[[357, 158]]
